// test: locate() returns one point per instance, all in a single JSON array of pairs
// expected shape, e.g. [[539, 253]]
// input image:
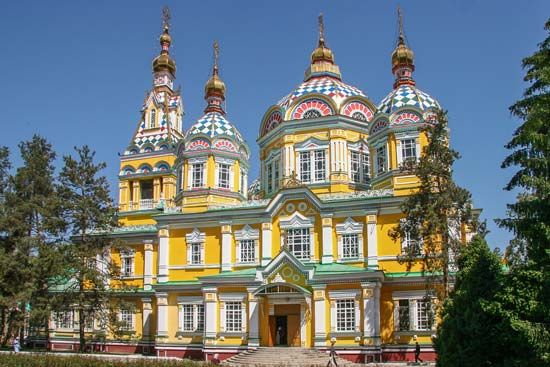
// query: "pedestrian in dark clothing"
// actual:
[[417, 353], [332, 356]]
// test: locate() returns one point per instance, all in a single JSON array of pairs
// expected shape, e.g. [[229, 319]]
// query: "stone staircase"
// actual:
[[283, 356]]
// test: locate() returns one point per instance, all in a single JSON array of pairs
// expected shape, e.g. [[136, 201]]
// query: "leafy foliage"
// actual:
[[436, 212]]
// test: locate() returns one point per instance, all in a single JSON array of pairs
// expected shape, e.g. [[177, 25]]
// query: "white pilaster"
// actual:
[[253, 319], [147, 311], [372, 242], [210, 315], [320, 336], [148, 265], [226, 247], [371, 308], [163, 256], [327, 256], [162, 314], [266, 243]]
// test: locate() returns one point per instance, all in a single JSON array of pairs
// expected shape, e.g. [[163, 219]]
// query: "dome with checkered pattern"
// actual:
[[213, 125], [407, 96]]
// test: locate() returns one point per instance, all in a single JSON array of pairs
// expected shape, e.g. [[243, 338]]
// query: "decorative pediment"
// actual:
[[349, 226], [286, 267], [195, 236], [311, 144], [296, 220], [247, 233]]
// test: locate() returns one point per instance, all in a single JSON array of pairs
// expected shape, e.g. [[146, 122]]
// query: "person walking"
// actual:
[[332, 355], [16, 345], [417, 353]]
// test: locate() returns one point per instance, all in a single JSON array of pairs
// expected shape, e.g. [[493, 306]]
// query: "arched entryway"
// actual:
[[286, 314]]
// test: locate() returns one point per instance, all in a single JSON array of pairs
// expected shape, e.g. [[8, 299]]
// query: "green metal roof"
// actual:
[[336, 268], [230, 274]]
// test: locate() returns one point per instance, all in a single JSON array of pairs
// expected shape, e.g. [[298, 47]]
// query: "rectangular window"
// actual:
[[320, 166], [197, 175], [365, 168], [269, 168], [187, 315], [305, 166], [126, 320], [223, 176], [200, 317], [233, 316], [404, 315], [64, 319], [248, 254], [298, 241], [423, 317], [196, 253], [345, 315], [276, 175], [355, 167], [127, 265], [408, 149], [410, 245], [381, 160], [350, 246]]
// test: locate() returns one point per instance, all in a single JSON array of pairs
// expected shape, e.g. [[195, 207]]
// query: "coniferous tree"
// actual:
[[529, 217], [89, 211], [436, 212], [5, 166]]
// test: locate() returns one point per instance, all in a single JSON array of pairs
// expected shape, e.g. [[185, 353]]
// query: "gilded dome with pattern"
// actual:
[[402, 55], [214, 86]]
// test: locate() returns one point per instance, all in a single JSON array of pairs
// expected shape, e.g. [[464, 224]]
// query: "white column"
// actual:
[[372, 242], [333, 156], [226, 247], [162, 314], [163, 256], [148, 265], [253, 319], [371, 309], [288, 159], [266, 243], [344, 156], [210, 315], [147, 311], [327, 256], [320, 336]]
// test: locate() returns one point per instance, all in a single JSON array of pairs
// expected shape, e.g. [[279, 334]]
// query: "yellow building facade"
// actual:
[[301, 256]]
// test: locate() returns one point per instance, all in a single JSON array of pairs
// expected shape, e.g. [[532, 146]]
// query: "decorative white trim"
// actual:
[[344, 294], [296, 220]]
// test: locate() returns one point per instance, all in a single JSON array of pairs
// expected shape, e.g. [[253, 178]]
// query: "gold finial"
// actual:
[[216, 57], [166, 17], [321, 30]]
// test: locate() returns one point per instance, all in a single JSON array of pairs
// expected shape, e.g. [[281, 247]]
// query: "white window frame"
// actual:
[[223, 173], [400, 138], [414, 298], [349, 227], [152, 119], [64, 319], [312, 149], [298, 222], [377, 151], [196, 307], [129, 317], [232, 298], [363, 162], [247, 233], [340, 295], [226, 164], [193, 240], [190, 172], [125, 257], [406, 242]]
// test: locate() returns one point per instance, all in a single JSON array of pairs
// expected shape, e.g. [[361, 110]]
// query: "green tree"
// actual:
[[436, 212], [89, 212], [529, 217], [473, 329]]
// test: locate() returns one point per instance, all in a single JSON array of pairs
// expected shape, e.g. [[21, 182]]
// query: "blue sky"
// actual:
[[76, 71]]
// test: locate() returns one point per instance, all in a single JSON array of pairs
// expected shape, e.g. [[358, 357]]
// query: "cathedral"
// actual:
[[300, 256]]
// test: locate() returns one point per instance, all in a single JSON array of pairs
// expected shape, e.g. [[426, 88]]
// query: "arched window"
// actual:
[[359, 116], [152, 118], [312, 114]]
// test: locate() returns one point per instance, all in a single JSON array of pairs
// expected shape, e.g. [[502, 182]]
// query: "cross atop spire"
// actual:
[[401, 36], [166, 17], [321, 30], [216, 47]]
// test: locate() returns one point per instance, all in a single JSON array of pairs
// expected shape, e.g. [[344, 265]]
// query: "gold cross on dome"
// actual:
[[166, 17], [321, 28], [216, 53]]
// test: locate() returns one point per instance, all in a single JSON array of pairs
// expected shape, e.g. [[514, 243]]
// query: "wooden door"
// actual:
[[271, 334], [293, 324]]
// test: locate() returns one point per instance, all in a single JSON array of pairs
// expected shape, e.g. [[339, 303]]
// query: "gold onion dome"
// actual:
[[402, 55], [322, 53], [164, 61], [322, 58], [214, 85]]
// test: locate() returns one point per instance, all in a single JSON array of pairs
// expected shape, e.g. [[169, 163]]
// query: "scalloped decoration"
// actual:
[[198, 144], [379, 125], [224, 144], [273, 121], [405, 118], [127, 171], [358, 111], [303, 108]]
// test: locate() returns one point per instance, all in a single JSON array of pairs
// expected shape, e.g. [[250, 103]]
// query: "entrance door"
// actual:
[[294, 330], [281, 329]]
